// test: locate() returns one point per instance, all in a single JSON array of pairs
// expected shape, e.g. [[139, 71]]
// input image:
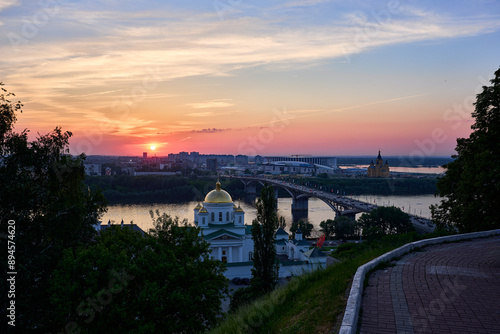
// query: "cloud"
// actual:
[[211, 113], [201, 114], [300, 3], [83, 54], [8, 3], [210, 104]]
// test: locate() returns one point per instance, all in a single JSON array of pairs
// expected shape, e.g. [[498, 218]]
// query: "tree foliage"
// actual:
[[327, 227], [152, 188], [265, 271], [342, 227], [383, 221], [305, 227], [42, 190], [266, 268], [131, 283], [471, 184], [281, 222]]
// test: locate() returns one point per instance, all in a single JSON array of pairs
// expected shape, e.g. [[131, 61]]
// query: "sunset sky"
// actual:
[[249, 76]]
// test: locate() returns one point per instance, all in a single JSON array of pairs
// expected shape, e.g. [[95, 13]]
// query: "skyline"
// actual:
[[238, 77]]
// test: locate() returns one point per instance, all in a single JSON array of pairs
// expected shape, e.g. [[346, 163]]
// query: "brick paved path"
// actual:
[[446, 288]]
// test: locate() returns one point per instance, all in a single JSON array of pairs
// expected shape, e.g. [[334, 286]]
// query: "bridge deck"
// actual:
[[354, 206]]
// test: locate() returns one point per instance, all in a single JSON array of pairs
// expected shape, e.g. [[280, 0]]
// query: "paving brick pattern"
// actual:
[[446, 288]]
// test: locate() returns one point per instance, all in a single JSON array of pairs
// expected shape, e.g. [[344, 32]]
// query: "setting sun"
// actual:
[[153, 147]]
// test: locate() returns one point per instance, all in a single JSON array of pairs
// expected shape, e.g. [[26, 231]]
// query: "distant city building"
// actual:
[[194, 157], [212, 164], [296, 167], [241, 159], [379, 169], [319, 160], [108, 171], [144, 155], [289, 167], [258, 160], [92, 169]]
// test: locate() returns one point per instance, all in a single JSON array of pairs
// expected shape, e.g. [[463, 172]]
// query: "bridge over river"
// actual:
[[341, 205]]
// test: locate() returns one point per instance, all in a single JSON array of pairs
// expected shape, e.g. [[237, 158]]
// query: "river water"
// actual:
[[318, 210], [417, 170]]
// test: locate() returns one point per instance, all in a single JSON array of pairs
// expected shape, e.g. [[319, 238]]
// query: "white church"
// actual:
[[222, 224]]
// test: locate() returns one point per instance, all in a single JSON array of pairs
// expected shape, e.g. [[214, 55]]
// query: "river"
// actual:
[[417, 170], [318, 210]]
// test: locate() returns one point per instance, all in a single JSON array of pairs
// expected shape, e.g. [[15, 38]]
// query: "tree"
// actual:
[[342, 227], [281, 222], [383, 221], [42, 191], [471, 184], [265, 271], [305, 227], [328, 228], [265, 262], [125, 282]]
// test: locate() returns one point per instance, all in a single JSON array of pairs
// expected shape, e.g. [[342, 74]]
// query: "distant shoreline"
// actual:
[[125, 189]]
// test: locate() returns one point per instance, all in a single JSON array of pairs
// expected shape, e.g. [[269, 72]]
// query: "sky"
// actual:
[[250, 77]]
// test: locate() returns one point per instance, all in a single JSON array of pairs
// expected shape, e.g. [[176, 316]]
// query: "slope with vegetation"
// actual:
[[313, 302]]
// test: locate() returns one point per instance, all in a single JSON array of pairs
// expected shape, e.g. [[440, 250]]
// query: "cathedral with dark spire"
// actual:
[[379, 169]]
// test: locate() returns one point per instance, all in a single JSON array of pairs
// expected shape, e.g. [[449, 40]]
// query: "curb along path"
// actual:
[[444, 288]]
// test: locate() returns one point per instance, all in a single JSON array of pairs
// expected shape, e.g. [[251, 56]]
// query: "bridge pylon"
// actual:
[[300, 204], [250, 188]]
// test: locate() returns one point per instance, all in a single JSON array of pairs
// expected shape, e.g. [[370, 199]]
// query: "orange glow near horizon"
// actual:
[[284, 80]]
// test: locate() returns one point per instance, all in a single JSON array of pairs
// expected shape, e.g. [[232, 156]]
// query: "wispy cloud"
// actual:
[[8, 3], [212, 113], [210, 104], [300, 3], [83, 54]]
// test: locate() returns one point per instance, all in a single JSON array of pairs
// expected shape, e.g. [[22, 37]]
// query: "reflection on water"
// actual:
[[318, 210]]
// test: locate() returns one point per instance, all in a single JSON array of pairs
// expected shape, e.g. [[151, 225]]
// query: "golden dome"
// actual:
[[218, 195]]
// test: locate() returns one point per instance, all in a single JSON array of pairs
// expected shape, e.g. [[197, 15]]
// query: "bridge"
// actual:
[[341, 205]]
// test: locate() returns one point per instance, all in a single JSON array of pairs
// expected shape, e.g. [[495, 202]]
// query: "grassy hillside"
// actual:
[[313, 302]]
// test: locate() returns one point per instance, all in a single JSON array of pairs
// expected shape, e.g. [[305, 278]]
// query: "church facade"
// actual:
[[222, 224], [379, 169]]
